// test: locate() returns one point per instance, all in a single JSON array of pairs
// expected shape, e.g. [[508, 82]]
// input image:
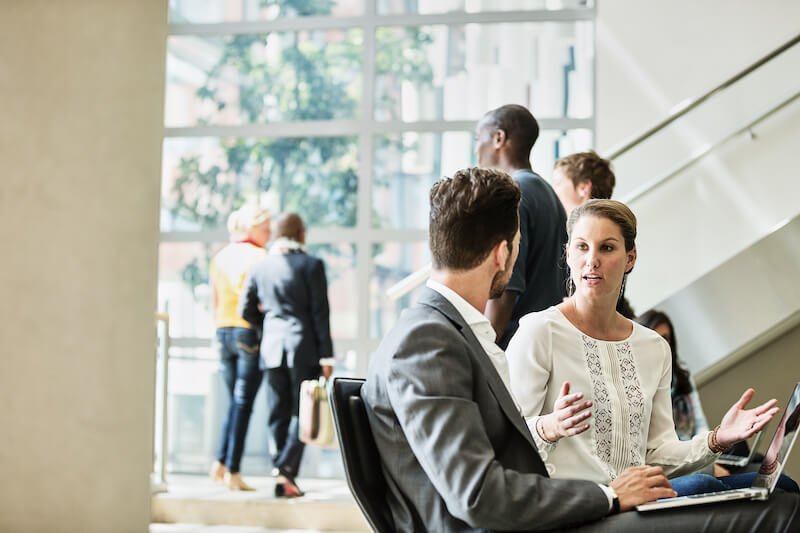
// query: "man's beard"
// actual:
[[501, 279], [499, 282], [498, 286]]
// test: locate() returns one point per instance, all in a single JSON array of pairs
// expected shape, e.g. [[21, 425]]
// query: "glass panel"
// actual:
[[184, 293], [406, 166], [183, 290], [391, 262], [191, 437], [553, 144], [459, 72], [198, 401], [205, 178], [398, 7], [261, 78], [340, 269], [216, 11]]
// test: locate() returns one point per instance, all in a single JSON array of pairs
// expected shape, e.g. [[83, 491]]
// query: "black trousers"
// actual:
[[283, 401]]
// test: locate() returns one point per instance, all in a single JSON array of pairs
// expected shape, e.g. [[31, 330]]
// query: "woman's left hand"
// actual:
[[739, 423]]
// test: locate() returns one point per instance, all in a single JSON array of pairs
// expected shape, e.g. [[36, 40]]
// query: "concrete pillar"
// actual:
[[82, 86]]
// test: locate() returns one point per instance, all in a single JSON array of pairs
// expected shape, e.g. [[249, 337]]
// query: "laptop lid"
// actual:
[[781, 444]]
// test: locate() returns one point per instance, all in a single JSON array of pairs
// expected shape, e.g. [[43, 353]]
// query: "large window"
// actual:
[[344, 111]]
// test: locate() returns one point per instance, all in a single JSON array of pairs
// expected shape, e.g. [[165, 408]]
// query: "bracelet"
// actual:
[[770, 467], [540, 431], [715, 446]]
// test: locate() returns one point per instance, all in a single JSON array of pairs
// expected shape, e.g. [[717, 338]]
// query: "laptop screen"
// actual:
[[781, 444]]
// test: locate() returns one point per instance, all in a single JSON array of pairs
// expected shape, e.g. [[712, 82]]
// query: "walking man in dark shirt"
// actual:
[[505, 137]]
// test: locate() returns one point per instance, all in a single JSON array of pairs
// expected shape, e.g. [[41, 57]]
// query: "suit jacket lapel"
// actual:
[[435, 300]]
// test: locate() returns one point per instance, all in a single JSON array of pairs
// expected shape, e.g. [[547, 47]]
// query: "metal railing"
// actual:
[[684, 107], [158, 480], [704, 151]]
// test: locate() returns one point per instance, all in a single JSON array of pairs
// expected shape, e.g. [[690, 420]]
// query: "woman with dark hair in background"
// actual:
[[687, 412], [686, 409]]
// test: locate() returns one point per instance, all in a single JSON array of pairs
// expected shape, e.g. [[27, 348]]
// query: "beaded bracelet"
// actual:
[[770, 467], [715, 446], [540, 431]]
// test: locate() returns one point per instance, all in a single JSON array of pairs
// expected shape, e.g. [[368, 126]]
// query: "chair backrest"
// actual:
[[362, 462]]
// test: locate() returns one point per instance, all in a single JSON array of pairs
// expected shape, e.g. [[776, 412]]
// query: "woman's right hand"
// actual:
[[567, 417]]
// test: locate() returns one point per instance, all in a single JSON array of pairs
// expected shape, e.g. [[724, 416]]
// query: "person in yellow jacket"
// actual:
[[237, 340]]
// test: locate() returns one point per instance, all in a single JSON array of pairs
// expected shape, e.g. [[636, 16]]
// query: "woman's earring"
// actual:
[[622, 289]]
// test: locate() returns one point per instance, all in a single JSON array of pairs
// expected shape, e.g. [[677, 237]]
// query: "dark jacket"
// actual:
[[293, 291]]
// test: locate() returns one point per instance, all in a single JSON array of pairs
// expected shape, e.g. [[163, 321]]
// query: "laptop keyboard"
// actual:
[[718, 493]]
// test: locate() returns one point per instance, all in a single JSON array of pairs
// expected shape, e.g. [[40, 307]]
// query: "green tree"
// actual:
[[315, 78]]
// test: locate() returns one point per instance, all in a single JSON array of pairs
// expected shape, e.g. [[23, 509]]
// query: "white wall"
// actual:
[[80, 140], [653, 55]]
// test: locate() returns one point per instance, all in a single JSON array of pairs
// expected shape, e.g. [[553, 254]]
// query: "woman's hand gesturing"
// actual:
[[567, 416], [740, 423]]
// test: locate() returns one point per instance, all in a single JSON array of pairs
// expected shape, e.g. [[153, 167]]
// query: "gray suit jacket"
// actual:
[[457, 454], [293, 291]]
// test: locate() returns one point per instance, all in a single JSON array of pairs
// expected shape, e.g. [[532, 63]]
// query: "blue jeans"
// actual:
[[238, 351], [703, 483]]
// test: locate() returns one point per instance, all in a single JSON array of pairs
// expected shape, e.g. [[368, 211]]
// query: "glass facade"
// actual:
[[346, 112], [469, 69], [263, 77]]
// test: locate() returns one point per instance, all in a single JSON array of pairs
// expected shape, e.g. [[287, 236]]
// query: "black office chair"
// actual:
[[362, 463]]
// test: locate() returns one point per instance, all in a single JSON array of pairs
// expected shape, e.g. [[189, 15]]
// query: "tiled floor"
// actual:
[[201, 487], [193, 504], [199, 528]]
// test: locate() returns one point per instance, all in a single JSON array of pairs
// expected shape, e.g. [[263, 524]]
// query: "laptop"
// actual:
[[730, 459], [767, 479]]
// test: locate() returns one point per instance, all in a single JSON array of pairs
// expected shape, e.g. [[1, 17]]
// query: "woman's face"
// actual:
[[597, 258]]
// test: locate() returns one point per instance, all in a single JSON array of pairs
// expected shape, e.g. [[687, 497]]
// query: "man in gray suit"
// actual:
[[287, 293], [455, 450]]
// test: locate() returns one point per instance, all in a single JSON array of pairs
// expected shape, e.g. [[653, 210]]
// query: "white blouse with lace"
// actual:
[[628, 382]]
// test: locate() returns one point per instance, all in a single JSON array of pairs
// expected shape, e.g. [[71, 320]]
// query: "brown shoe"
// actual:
[[235, 482], [217, 473]]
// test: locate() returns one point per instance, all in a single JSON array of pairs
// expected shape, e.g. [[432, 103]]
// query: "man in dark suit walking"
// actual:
[[287, 292], [457, 453]]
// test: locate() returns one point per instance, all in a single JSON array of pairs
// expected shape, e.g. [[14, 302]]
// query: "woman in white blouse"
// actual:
[[583, 371]]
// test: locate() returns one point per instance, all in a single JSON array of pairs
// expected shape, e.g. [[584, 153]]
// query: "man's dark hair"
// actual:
[[585, 166], [520, 126], [289, 225], [470, 213]]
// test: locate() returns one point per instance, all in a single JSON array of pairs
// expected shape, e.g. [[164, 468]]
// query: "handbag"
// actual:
[[315, 416]]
